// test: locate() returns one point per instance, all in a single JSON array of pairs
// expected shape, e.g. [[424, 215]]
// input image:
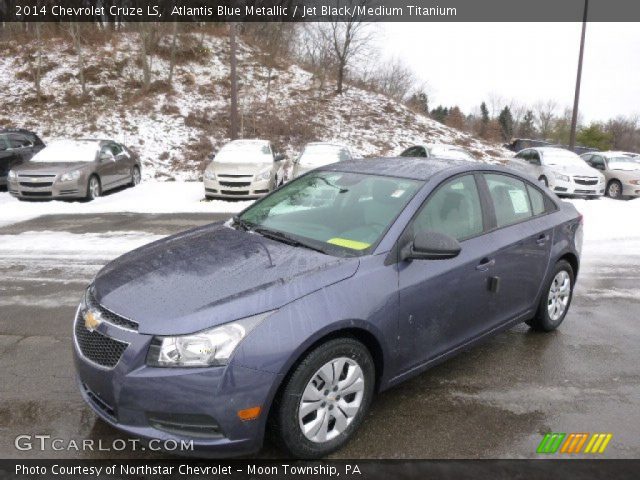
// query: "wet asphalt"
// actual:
[[494, 401]]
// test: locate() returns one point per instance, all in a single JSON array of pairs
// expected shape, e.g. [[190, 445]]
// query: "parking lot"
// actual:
[[494, 401]]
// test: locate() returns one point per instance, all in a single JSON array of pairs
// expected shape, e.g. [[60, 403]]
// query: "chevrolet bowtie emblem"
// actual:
[[91, 320]]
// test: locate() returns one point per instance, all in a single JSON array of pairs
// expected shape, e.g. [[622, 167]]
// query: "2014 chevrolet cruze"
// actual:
[[344, 282]]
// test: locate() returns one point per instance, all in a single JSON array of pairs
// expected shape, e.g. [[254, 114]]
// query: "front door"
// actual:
[[445, 303]]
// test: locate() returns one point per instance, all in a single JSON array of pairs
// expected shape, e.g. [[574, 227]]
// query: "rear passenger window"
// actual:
[[510, 199], [537, 200], [454, 209]]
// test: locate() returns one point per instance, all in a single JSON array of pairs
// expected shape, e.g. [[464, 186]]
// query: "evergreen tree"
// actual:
[[527, 127], [594, 136], [484, 120], [506, 124], [440, 114]]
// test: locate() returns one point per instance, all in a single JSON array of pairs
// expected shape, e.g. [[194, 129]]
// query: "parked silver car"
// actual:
[[561, 170], [440, 150], [621, 171], [319, 154], [75, 169], [244, 169]]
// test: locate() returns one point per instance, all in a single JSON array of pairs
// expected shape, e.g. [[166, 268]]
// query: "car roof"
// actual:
[[250, 141], [329, 144], [405, 167], [615, 153]]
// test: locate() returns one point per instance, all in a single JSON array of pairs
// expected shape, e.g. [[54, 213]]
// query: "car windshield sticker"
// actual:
[[345, 242]]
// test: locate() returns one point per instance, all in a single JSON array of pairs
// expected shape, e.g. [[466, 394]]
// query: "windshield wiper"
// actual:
[[284, 238], [243, 224]]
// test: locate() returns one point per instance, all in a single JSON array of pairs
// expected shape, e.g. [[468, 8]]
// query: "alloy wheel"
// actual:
[[614, 190], [94, 187], [331, 400], [559, 294], [135, 176]]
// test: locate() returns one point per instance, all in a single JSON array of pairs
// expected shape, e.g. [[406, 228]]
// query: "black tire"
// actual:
[[91, 192], [542, 320], [135, 176], [614, 189], [543, 180], [284, 423]]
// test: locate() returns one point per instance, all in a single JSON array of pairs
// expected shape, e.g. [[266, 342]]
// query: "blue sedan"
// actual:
[[345, 282]]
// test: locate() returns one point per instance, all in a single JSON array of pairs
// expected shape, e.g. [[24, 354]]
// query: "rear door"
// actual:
[[522, 238], [123, 162]]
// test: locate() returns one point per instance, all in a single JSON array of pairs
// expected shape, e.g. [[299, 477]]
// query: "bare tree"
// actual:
[[496, 103], [315, 54], [393, 78], [147, 32], [545, 112], [37, 74], [625, 133], [172, 63], [74, 31]]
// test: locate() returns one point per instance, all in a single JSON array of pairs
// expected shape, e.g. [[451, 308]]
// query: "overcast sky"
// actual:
[[464, 63]]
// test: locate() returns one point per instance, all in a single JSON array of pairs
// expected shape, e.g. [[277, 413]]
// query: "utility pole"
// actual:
[[576, 99], [234, 82]]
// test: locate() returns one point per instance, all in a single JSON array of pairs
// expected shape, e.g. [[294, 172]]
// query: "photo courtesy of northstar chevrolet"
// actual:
[[287, 319]]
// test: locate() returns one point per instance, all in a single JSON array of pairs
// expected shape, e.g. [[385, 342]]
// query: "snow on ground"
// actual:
[[148, 197]]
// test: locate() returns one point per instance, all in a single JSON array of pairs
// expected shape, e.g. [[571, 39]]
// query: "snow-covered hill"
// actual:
[[173, 128]]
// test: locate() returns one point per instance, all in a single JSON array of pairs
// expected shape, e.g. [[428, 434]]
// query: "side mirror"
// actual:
[[106, 157], [430, 245], [211, 156], [278, 157]]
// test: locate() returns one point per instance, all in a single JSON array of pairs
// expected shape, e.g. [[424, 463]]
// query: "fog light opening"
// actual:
[[249, 413]]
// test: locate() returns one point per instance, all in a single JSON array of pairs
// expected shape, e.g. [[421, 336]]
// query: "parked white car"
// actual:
[[440, 150], [319, 154], [244, 169], [561, 170], [621, 170]]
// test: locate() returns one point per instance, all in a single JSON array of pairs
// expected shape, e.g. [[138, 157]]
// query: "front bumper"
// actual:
[[46, 188], [198, 405], [630, 190], [573, 188], [231, 188]]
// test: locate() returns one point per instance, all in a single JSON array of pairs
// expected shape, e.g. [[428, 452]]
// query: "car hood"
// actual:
[[209, 276], [240, 168], [575, 170], [29, 168]]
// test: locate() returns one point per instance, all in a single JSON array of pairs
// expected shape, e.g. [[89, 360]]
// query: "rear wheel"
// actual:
[[325, 399], [614, 189], [555, 300], [94, 190]]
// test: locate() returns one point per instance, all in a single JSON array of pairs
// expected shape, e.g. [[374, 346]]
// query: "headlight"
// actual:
[[209, 175], [69, 176], [634, 182], [202, 349], [563, 178], [12, 174], [266, 175]]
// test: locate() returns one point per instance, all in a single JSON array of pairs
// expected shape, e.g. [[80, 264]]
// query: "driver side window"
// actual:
[[454, 210]]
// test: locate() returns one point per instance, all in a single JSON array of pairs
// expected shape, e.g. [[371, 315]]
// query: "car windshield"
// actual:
[[64, 152], [249, 152], [562, 158], [624, 163], [323, 154], [338, 213]]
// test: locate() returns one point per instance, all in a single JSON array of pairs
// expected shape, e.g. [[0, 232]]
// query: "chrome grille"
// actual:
[[96, 347], [585, 180], [235, 184], [109, 316]]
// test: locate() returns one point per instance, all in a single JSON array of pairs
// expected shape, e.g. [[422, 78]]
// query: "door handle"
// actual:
[[485, 264], [542, 239]]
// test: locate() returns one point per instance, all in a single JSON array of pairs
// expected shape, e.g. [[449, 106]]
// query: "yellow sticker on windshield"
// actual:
[[345, 242]]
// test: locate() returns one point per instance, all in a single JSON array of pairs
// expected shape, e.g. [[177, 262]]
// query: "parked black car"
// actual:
[[17, 146]]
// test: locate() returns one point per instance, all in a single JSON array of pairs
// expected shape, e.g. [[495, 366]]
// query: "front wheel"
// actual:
[[555, 300], [94, 190], [614, 189], [325, 399], [135, 176]]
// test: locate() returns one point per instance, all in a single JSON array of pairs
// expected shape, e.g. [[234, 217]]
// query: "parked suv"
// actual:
[[562, 171], [75, 169], [244, 169], [16, 146], [621, 171]]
